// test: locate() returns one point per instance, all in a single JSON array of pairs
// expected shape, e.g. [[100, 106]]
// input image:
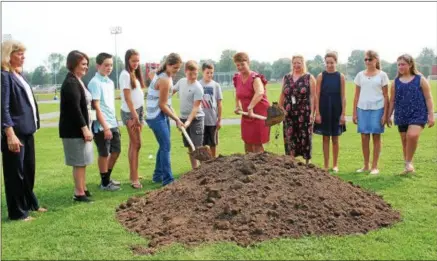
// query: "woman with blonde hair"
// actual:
[[330, 108], [20, 120], [370, 108], [297, 99], [411, 100]]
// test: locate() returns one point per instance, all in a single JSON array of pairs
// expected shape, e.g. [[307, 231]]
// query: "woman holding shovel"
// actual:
[[159, 111], [251, 93]]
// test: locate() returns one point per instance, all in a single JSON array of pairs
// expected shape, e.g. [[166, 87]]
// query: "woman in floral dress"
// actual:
[[297, 100]]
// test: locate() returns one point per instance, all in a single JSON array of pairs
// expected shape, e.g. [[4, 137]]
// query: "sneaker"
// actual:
[[362, 170], [83, 198], [110, 187], [374, 172], [116, 183], [87, 193]]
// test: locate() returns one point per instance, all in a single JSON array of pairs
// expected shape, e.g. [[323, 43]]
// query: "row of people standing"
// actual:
[[88, 113], [319, 106], [410, 100]]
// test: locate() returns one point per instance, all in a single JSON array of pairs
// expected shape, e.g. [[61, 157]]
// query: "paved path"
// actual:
[[224, 121], [49, 101], [48, 116]]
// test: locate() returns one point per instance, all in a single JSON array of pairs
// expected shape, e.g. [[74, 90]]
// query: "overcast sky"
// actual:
[[267, 31]]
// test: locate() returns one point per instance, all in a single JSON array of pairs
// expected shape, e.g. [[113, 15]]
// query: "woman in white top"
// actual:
[[370, 108], [132, 109], [159, 111]]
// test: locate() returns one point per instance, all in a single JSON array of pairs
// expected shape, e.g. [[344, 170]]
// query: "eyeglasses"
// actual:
[[368, 59]]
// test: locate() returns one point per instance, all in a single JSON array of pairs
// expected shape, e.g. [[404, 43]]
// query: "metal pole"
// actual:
[[116, 30], [116, 67], [54, 72]]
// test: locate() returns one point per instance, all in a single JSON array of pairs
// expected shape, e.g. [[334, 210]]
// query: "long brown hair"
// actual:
[[134, 74], [410, 61], [171, 59], [374, 55]]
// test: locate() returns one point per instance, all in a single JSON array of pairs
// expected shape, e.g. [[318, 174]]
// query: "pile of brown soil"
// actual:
[[251, 198]]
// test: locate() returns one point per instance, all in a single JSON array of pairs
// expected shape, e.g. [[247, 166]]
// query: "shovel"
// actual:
[[202, 153], [275, 115]]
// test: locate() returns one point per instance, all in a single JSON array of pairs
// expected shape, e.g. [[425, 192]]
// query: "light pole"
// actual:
[[116, 30]]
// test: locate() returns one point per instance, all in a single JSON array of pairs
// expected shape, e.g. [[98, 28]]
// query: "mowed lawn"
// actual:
[[78, 231], [273, 91]]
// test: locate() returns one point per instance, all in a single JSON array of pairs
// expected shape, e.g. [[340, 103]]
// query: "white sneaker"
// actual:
[[374, 172], [362, 170], [335, 169]]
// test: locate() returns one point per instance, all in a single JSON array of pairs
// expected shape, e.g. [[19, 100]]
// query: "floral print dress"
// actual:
[[297, 127]]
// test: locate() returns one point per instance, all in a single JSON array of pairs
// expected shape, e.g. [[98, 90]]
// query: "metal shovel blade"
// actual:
[[202, 153]]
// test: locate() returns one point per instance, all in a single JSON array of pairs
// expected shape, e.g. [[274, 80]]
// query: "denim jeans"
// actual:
[[161, 128]]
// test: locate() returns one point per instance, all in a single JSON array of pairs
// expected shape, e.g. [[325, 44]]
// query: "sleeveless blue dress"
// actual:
[[410, 105], [330, 106]]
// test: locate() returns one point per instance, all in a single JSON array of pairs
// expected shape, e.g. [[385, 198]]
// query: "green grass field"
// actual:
[[273, 91], [74, 231]]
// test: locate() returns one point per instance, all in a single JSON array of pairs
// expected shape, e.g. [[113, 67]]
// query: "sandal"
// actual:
[[41, 210], [29, 218], [136, 185], [406, 171]]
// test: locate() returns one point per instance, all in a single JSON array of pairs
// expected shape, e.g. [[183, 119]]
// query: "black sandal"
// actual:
[[87, 193], [136, 185], [82, 198]]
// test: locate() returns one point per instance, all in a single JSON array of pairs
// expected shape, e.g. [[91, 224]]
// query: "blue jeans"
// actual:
[[161, 128]]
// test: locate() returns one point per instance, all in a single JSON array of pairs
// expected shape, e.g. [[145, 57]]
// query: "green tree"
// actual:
[[226, 63], [91, 71], [28, 76], [54, 63], [120, 67], [316, 66], [389, 68], [40, 76], [356, 62], [425, 61], [62, 74], [280, 68]]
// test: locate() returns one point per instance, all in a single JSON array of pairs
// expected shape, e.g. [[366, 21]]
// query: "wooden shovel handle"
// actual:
[[256, 116], [188, 138]]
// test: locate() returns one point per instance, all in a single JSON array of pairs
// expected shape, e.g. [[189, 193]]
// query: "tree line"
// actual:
[[53, 70]]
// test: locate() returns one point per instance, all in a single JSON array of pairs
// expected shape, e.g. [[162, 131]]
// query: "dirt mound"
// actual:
[[251, 198]]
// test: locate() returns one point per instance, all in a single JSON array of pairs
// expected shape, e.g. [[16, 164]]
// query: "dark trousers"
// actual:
[[19, 177]]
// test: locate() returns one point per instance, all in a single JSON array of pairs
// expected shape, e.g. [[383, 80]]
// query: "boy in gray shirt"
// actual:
[[212, 107], [191, 113]]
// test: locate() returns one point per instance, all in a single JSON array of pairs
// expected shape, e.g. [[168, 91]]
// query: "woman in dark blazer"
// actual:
[[74, 122], [20, 120]]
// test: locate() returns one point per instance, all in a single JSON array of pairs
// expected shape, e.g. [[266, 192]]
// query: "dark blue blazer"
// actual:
[[16, 108]]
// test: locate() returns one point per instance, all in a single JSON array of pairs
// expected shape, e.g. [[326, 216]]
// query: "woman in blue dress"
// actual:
[[330, 108], [411, 101]]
